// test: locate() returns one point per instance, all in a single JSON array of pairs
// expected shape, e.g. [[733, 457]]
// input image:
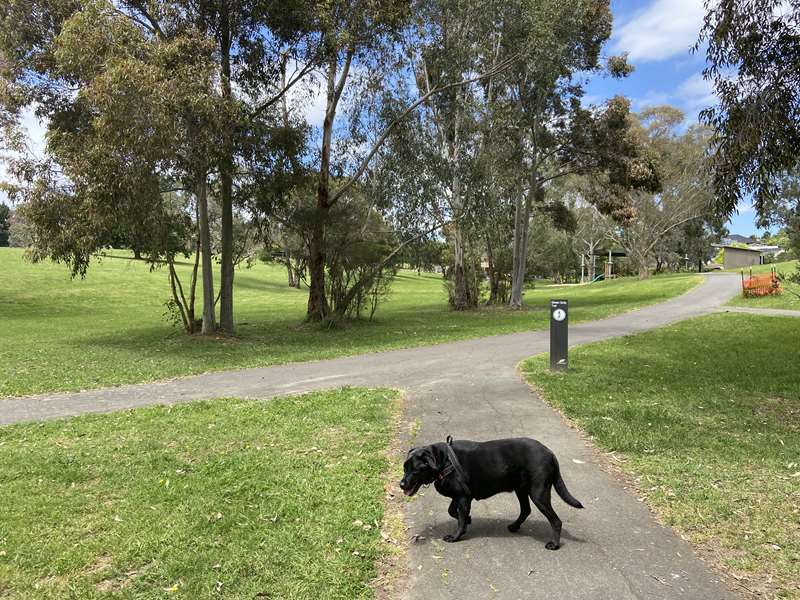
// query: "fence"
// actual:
[[764, 284]]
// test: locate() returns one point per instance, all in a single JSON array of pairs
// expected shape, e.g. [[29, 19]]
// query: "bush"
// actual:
[[359, 261]]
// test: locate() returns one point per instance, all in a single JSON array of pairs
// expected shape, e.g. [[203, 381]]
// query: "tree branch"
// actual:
[[385, 133]]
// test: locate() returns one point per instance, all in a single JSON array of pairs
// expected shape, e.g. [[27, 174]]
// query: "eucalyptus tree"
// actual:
[[592, 233], [140, 104], [361, 69], [685, 194], [753, 62], [131, 119], [559, 44]]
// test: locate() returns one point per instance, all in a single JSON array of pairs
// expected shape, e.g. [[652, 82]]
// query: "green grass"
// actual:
[[786, 300], [223, 499], [60, 334], [706, 414]]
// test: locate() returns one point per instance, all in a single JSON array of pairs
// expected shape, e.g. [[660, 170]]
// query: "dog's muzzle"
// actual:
[[409, 489]]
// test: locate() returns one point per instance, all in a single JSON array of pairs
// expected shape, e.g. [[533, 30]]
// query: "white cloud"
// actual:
[[664, 29], [695, 94], [691, 96], [651, 98]]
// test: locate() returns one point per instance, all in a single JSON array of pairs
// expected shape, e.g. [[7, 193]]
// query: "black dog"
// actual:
[[467, 471]]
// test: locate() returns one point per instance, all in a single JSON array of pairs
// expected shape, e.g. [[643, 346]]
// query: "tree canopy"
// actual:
[[753, 61]]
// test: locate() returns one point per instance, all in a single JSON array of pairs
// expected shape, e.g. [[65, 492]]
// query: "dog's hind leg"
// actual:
[[524, 510], [541, 498], [452, 510]]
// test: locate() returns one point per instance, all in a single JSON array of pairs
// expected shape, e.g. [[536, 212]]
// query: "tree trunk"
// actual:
[[644, 271], [461, 300], [318, 307], [494, 277], [226, 185], [209, 318], [290, 274], [522, 217]]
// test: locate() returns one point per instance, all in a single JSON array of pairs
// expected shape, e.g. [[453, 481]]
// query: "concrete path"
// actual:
[[614, 549]]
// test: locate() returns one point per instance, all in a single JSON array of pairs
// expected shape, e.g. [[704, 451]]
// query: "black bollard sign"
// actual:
[[558, 335]]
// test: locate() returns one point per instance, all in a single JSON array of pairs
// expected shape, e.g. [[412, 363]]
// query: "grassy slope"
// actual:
[[707, 414], [228, 499], [787, 300], [108, 329]]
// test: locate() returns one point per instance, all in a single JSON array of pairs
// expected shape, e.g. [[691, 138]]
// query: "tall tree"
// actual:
[[147, 91], [362, 37], [559, 43], [753, 61], [685, 193]]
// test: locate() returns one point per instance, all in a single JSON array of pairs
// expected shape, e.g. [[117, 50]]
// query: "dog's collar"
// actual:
[[453, 467]]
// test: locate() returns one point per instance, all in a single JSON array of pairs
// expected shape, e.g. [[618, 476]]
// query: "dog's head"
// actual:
[[419, 469]]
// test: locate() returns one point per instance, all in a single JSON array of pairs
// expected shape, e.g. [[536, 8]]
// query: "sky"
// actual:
[[658, 36]]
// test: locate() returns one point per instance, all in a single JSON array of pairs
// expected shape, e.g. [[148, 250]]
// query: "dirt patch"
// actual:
[[100, 564], [782, 410], [121, 581]]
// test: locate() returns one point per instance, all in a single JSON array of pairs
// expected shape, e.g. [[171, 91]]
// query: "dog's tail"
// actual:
[[561, 489]]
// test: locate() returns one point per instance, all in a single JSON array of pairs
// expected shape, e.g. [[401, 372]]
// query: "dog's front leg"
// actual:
[[452, 510], [462, 506]]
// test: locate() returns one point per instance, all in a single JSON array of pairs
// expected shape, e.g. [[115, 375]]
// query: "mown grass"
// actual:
[[706, 414], [109, 329], [217, 499], [789, 299]]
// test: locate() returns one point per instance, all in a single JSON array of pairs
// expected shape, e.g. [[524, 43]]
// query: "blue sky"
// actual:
[[658, 35]]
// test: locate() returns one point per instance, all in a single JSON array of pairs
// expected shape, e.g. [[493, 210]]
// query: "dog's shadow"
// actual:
[[483, 527]]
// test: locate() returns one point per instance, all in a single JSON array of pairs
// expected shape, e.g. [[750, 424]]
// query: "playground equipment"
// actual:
[[764, 284]]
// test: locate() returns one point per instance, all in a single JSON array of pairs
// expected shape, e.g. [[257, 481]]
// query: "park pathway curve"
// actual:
[[612, 550]]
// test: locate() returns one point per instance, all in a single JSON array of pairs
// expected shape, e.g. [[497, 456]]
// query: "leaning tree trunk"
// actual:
[[209, 318]]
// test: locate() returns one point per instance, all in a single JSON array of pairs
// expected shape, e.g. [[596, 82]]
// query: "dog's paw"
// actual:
[[552, 546], [513, 527], [450, 538]]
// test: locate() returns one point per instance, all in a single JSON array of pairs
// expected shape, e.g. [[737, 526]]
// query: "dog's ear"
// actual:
[[429, 458], [410, 452]]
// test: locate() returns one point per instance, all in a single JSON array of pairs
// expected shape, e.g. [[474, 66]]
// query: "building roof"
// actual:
[[731, 247]]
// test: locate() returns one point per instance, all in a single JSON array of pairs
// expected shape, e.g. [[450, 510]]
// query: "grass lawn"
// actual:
[[223, 499], [59, 334], [706, 415], [787, 300]]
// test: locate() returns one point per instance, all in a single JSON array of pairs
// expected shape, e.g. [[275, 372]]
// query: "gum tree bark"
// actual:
[[226, 185], [209, 317]]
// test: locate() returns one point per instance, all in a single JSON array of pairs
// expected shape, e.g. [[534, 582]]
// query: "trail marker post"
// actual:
[[559, 319]]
